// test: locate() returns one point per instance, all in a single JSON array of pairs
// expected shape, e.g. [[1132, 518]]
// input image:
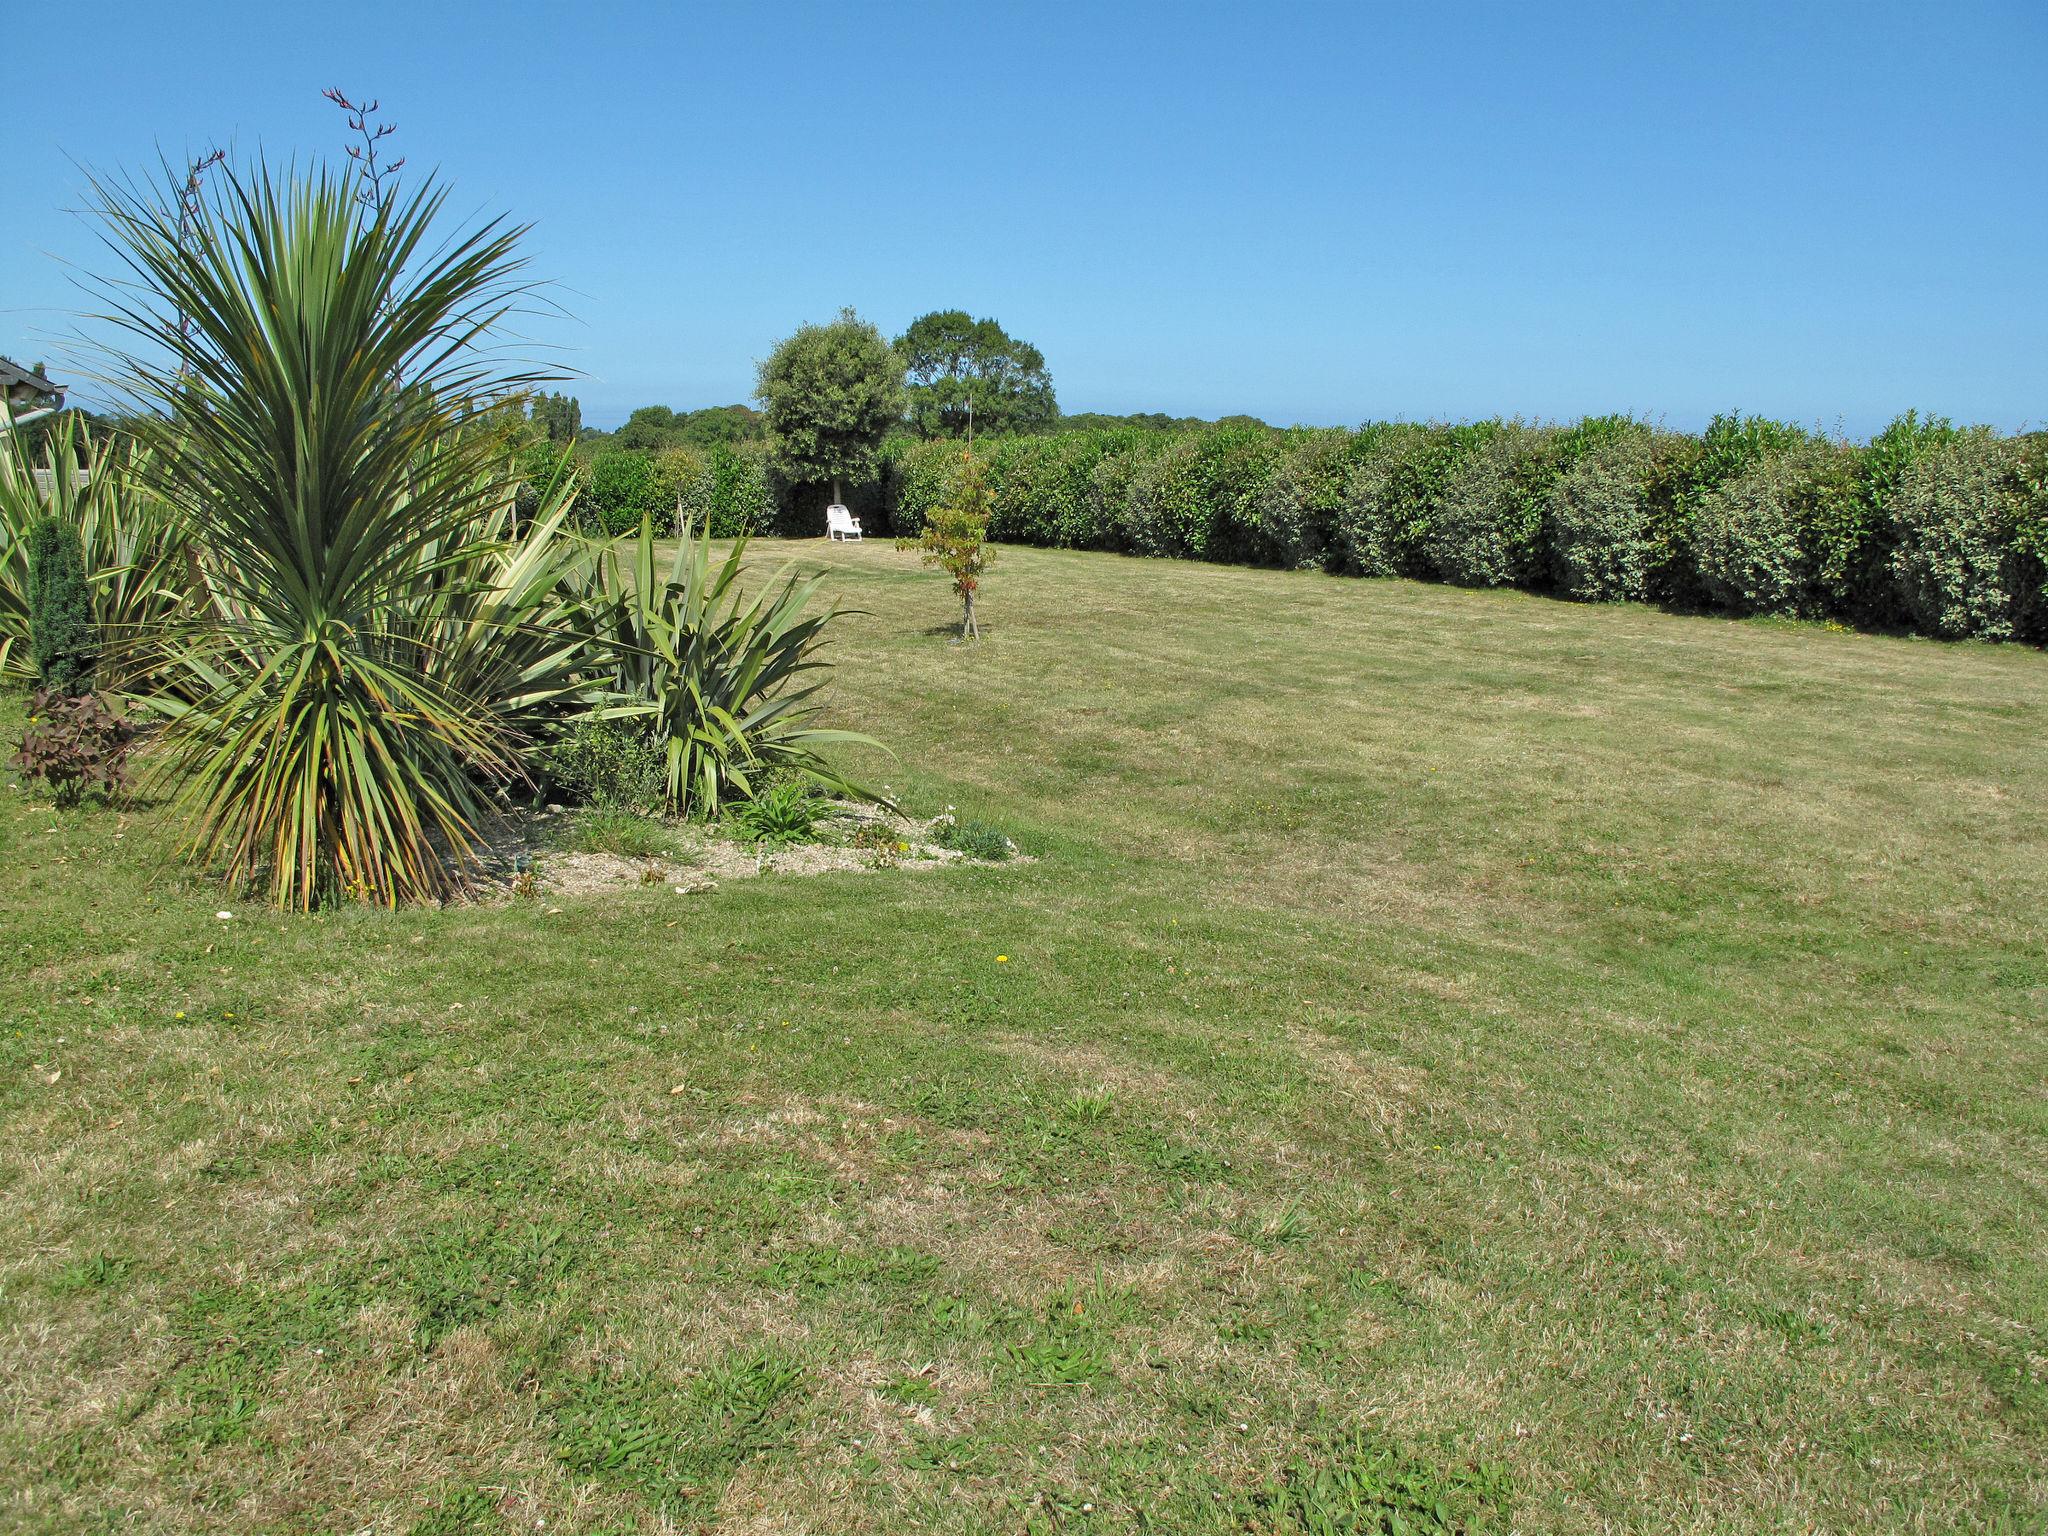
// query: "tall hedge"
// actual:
[[1928, 526]]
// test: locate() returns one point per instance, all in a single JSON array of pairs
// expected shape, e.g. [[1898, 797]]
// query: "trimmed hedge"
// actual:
[[1955, 513], [1928, 526]]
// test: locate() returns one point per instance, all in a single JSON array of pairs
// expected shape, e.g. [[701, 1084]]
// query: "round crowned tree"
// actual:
[[831, 393]]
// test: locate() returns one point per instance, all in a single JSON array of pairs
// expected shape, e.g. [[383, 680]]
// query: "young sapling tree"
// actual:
[[955, 538]]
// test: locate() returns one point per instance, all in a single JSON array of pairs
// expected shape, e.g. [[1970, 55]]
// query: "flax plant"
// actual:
[[714, 672]]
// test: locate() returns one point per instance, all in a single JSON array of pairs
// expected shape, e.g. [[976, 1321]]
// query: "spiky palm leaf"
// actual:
[[322, 739], [714, 672]]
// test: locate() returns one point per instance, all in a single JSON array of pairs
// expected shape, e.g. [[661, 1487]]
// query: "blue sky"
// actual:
[[1311, 213]]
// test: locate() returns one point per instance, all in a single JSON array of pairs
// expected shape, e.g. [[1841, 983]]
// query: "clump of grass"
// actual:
[[626, 834], [976, 839]]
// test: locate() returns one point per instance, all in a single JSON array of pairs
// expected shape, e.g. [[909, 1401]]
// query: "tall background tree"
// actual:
[[558, 416], [953, 362], [831, 394]]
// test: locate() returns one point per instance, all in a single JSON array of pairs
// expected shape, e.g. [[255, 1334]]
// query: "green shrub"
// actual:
[[1830, 505], [976, 839], [1298, 508], [614, 764], [1782, 535], [1395, 492], [1486, 527], [738, 494], [1956, 513], [1078, 512], [1745, 537], [1597, 524], [681, 482], [1752, 515], [1166, 510], [1197, 497], [623, 486], [1105, 524], [921, 476], [715, 671], [62, 635], [1026, 487]]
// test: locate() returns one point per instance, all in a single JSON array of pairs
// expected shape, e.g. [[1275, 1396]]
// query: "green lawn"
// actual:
[[1459, 1055]]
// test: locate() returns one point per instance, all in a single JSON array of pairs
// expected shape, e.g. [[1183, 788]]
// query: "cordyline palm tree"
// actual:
[[339, 713]]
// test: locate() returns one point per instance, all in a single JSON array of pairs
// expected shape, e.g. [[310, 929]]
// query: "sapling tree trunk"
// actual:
[[969, 630], [837, 499]]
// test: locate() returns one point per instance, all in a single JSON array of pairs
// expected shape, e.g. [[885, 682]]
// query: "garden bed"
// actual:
[[566, 852]]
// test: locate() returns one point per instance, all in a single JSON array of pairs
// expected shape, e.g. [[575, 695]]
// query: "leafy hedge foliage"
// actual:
[[730, 483], [1929, 526]]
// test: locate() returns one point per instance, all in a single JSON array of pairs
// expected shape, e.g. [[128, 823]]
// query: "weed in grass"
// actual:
[[461, 1512], [466, 1272], [675, 1444], [235, 1338], [959, 1454], [1091, 1106], [976, 839], [101, 1272], [1351, 1484], [1061, 1359], [1282, 1229], [910, 1391], [1165, 1154], [829, 1269], [1065, 1346]]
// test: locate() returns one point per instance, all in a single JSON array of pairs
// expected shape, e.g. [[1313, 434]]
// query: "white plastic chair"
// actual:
[[841, 524]]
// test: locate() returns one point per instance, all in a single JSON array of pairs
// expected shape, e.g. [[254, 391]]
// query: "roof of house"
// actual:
[[12, 374]]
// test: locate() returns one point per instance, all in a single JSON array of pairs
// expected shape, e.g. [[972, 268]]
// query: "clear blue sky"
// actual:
[[1311, 213]]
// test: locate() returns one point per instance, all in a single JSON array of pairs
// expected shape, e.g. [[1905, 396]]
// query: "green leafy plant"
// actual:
[[75, 743], [716, 676], [831, 393], [366, 644], [675, 1444], [781, 813], [1745, 536], [1297, 508], [1486, 529]]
